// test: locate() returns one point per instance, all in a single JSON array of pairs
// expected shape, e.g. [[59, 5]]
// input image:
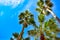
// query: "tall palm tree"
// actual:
[[44, 9], [45, 6], [25, 18], [49, 27]]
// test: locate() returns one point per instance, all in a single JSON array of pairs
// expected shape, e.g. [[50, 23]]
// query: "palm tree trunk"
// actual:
[[42, 37], [53, 14], [21, 34]]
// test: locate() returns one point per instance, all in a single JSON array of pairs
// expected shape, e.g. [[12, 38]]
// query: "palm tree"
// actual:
[[45, 6], [48, 27], [25, 18], [46, 30]]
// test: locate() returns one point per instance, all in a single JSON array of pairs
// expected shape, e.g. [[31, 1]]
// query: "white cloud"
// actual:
[[12, 3]]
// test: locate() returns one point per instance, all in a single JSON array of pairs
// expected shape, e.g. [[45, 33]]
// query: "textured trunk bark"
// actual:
[[21, 34], [42, 37]]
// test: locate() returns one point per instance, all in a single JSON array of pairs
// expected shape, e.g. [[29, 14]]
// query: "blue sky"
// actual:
[[9, 11]]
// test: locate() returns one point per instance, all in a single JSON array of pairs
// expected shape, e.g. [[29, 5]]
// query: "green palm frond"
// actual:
[[27, 38], [11, 39], [41, 18], [15, 35], [32, 32]]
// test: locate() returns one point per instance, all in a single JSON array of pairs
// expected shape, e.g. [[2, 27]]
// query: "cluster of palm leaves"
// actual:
[[47, 30], [25, 18]]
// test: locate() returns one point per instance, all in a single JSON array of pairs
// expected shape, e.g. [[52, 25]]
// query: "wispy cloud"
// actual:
[[12, 3], [13, 15], [1, 13], [29, 4]]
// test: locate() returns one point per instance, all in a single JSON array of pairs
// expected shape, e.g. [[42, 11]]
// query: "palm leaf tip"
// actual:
[[32, 32], [27, 38], [48, 3], [21, 16], [15, 35], [58, 19], [11, 39]]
